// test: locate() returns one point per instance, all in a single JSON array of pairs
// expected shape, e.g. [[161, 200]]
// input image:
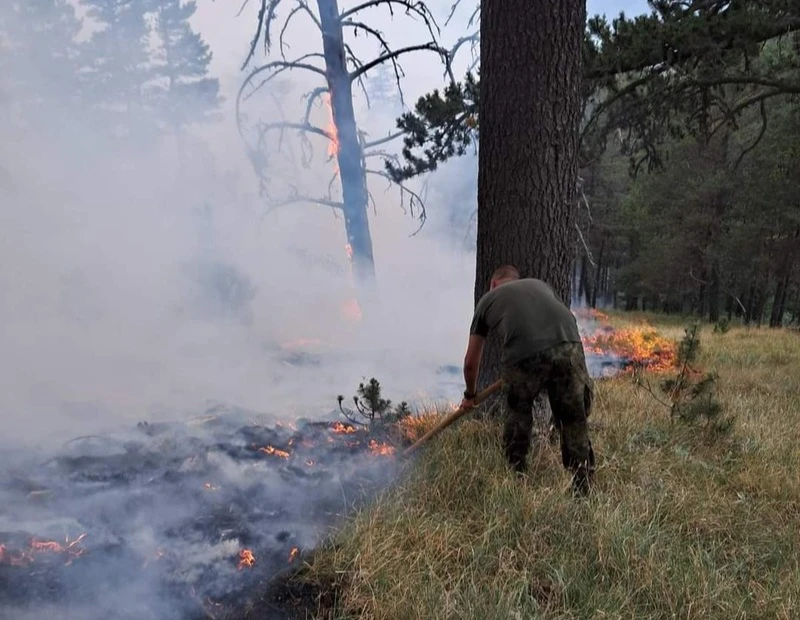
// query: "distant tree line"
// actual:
[[133, 69], [689, 157]]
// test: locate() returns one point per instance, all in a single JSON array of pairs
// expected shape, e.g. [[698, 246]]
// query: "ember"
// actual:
[[383, 449], [69, 550], [271, 450], [144, 500], [338, 427], [246, 559]]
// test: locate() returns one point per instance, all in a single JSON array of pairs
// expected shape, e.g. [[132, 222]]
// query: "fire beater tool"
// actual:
[[452, 417]]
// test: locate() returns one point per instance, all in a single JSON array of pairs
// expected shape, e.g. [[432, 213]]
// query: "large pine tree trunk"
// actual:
[[349, 156], [530, 108]]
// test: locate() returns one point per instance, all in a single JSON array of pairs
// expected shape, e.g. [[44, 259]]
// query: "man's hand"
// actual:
[[467, 404]]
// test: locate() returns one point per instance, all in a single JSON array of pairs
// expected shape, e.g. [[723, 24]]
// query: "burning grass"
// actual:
[[682, 524]]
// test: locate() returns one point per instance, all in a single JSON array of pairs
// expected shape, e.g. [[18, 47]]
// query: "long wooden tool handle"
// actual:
[[452, 417]]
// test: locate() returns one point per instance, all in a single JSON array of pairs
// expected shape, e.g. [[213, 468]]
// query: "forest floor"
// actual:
[[684, 522]]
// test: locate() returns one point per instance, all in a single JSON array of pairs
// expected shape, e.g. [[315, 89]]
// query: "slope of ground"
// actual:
[[684, 523]]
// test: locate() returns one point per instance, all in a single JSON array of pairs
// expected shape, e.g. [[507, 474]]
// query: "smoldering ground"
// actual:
[[143, 284]]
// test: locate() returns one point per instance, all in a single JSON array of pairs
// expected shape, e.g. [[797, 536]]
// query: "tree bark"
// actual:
[[349, 154], [530, 110]]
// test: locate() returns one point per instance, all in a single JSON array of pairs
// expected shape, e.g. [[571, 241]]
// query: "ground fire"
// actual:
[[609, 350], [197, 513], [246, 559]]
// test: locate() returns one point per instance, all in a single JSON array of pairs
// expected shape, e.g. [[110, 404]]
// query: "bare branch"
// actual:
[[414, 199], [398, 71], [279, 66], [412, 8], [333, 204], [356, 61], [379, 141], [303, 127], [301, 6], [264, 24], [472, 39], [312, 96], [431, 47]]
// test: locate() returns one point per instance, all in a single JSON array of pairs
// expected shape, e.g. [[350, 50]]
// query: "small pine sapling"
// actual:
[[691, 394], [722, 326], [370, 405]]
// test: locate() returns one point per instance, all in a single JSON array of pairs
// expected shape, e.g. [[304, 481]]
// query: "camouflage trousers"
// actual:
[[561, 371]]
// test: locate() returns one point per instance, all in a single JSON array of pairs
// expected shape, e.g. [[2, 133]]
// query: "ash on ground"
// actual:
[[176, 521]]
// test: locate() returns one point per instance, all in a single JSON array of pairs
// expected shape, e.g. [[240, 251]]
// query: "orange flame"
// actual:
[[275, 451], [381, 449], [333, 133], [345, 429], [352, 310], [293, 554], [246, 559], [27, 556], [643, 346]]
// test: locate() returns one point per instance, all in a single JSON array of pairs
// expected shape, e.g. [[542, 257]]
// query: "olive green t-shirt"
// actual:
[[528, 316]]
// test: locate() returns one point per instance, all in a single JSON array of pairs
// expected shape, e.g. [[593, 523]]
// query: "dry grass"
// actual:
[[682, 524]]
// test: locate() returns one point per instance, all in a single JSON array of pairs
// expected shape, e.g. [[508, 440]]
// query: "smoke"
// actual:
[[144, 282]]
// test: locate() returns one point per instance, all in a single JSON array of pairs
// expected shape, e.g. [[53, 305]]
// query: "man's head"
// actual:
[[503, 274]]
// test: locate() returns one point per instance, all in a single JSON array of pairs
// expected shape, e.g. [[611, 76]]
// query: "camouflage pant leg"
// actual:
[[570, 390], [523, 383]]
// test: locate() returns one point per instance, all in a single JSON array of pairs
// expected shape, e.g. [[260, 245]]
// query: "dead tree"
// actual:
[[339, 69]]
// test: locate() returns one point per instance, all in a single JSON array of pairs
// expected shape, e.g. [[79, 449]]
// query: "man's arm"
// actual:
[[472, 364]]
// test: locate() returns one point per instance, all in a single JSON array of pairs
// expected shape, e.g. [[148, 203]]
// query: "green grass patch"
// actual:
[[681, 524]]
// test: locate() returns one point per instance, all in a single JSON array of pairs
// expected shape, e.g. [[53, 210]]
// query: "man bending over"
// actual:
[[541, 350]]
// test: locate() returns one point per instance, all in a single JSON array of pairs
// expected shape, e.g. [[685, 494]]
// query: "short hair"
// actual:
[[506, 272]]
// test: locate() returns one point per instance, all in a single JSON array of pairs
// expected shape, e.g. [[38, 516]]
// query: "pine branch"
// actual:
[[414, 199]]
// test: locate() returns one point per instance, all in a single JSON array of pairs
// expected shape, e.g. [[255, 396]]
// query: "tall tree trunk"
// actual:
[[598, 273], [349, 155], [713, 293], [530, 110], [784, 278], [582, 281]]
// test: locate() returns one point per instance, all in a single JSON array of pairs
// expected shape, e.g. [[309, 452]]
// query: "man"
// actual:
[[541, 350]]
